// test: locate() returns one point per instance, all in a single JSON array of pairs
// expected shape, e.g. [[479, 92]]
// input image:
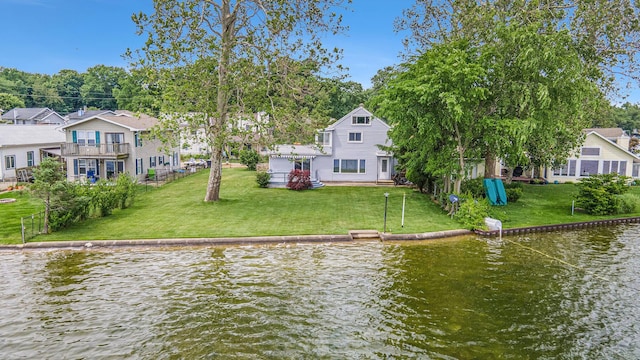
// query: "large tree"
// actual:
[[236, 56], [98, 86], [534, 52], [432, 107]]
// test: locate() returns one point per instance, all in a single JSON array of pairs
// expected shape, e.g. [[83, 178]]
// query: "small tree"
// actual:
[[299, 180], [250, 158], [48, 184], [262, 178]]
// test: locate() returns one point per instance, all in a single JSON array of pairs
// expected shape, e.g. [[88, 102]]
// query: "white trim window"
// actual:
[[139, 167], [349, 166], [30, 158], [323, 138], [86, 137], [568, 169], [10, 162], [588, 167], [355, 137], [614, 166], [590, 151], [360, 120]]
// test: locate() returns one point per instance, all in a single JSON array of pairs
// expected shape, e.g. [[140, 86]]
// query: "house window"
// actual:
[[569, 169], [139, 168], [30, 158], [113, 168], [86, 138], [137, 139], [152, 161], [323, 138], [302, 164], [113, 139], [10, 162], [618, 167], [590, 151], [360, 120], [160, 160], [87, 166], [355, 137], [588, 167], [349, 166]]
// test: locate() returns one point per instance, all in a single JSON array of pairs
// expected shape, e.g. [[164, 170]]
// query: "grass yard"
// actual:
[[176, 210], [10, 214]]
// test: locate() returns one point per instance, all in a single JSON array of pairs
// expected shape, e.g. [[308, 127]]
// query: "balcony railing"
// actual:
[[73, 149]]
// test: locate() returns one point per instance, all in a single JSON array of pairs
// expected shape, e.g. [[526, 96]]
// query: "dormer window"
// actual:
[[361, 120]]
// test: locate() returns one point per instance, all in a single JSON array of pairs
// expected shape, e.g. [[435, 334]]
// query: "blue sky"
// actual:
[[46, 36]]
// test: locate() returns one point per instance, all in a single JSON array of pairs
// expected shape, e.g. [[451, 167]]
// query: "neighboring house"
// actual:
[[348, 150], [104, 146], [247, 132], [32, 116], [604, 151], [26, 146]]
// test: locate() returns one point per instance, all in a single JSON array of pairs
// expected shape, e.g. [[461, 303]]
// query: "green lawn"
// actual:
[[176, 210]]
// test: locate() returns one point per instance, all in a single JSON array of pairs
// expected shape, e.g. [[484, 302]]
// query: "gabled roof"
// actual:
[[609, 133], [615, 145], [31, 114], [359, 110], [125, 119], [84, 114], [15, 135]]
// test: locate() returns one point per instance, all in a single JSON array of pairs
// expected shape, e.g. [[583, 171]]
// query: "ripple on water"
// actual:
[[446, 299]]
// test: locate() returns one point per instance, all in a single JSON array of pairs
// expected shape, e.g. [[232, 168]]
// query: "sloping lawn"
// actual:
[[177, 210]]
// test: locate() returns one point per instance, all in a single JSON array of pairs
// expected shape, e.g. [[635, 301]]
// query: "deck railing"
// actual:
[[73, 149]]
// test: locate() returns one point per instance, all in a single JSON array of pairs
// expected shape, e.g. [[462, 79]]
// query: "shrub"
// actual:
[[250, 158], [627, 203], [597, 193], [262, 178], [299, 180], [473, 186], [125, 190], [472, 212], [514, 191]]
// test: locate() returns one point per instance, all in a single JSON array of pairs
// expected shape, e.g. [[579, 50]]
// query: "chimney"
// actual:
[[623, 141]]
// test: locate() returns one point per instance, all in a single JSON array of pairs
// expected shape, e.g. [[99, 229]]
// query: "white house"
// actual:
[[604, 151], [346, 151], [25, 146]]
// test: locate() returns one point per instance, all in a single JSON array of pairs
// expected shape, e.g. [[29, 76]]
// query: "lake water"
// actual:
[[565, 295]]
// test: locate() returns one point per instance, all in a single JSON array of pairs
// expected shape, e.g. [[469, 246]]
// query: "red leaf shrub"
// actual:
[[299, 180]]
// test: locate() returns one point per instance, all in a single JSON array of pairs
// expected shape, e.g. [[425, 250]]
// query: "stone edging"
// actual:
[[75, 244], [569, 226]]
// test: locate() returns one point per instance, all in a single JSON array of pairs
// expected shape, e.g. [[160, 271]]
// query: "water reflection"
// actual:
[[567, 295]]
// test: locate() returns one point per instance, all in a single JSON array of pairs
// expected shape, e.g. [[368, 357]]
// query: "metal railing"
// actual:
[[73, 149]]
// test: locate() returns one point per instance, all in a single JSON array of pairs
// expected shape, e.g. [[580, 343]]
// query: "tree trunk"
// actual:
[[218, 124], [47, 212], [215, 176], [489, 165]]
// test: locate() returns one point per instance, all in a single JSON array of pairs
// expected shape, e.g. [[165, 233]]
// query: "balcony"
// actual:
[[97, 150]]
